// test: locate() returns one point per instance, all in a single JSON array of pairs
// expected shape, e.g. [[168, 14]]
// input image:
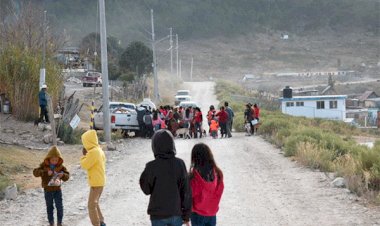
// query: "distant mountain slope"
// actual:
[[130, 19]]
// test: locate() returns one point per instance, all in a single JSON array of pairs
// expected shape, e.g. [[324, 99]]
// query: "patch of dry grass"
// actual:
[[314, 156], [17, 164]]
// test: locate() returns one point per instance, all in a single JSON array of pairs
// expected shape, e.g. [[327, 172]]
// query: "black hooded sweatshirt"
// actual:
[[166, 180]]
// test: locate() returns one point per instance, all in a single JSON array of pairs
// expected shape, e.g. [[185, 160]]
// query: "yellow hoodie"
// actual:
[[94, 161]]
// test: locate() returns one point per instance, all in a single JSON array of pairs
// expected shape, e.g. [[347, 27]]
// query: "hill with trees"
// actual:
[[129, 20]]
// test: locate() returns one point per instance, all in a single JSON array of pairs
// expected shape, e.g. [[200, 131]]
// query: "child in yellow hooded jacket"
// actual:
[[94, 161]]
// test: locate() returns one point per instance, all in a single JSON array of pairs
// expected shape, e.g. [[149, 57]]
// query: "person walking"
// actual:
[[230, 120], [148, 122], [210, 114], [214, 127], [94, 162], [198, 119], [257, 116], [223, 118], [42, 99], [248, 117], [206, 180], [166, 180]]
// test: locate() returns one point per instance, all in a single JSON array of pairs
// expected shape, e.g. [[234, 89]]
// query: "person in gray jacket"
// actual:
[[230, 121]]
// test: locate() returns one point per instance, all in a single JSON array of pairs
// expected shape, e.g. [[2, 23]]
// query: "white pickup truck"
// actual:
[[123, 117], [182, 95]]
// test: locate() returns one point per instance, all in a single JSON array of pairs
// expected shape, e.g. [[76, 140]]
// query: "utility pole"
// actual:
[[176, 40], [171, 50], [191, 69], [103, 45], [156, 94], [43, 70], [180, 69]]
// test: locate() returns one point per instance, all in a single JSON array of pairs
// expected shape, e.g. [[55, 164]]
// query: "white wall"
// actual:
[[310, 110]]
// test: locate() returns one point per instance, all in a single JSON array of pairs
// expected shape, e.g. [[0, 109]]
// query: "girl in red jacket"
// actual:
[[206, 180]]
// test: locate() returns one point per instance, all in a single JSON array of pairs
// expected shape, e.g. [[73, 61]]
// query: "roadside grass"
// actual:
[[320, 144], [16, 164]]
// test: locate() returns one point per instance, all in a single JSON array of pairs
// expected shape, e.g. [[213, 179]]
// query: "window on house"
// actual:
[[290, 104], [333, 104], [320, 105], [299, 104]]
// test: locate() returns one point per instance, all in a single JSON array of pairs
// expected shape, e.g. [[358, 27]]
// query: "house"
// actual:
[[365, 96], [372, 103], [327, 106]]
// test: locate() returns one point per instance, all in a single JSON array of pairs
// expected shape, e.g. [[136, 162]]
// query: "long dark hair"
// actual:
[[155, 115], [203, 161], [187, 112]]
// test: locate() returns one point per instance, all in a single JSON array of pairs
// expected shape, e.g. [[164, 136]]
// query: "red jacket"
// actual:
[[198, 117], [257, 112], [206, 195], [223, 116]]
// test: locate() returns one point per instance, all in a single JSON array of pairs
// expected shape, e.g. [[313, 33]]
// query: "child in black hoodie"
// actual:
[[166, 180]]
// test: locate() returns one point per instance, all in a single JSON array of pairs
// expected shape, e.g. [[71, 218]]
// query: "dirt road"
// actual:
[[261, 187]]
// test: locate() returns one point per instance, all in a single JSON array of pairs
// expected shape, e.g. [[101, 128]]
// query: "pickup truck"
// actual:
[[92, 79], [123, 117]]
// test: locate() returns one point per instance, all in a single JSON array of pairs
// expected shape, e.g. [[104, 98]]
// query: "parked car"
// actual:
[[92, 79], [123, 117], [182, 95], [186, 104]]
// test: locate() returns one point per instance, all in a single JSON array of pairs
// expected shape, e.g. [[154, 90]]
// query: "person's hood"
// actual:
[[53, 152], [90, 140], [163, 144]]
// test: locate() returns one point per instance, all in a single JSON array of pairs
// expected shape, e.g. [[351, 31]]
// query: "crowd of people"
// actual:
[[190, 118]]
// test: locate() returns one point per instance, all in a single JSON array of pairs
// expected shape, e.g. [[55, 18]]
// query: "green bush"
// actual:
[[239, 122], [70, 136]]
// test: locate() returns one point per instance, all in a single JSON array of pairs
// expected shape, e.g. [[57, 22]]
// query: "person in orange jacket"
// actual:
[[214, 127]]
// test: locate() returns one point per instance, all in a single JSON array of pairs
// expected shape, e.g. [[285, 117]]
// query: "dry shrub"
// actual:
[[316, 158], [346, 165], [351, 169]]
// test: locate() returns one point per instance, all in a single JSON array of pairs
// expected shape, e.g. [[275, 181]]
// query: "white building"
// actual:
[[328, 107]]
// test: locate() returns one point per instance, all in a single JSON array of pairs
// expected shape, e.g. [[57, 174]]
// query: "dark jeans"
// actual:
[[172, 221], [148, 131], [198, 220], [52, 197], [44, 113], [198, 128], [223, 128]]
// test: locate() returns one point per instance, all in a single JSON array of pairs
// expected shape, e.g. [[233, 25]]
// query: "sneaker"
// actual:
[[102, 224]]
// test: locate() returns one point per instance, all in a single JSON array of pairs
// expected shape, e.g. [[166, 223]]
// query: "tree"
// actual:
[[138, 58], [21, 60]]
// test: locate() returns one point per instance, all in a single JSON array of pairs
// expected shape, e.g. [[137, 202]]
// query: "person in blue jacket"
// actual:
[[43, 104]]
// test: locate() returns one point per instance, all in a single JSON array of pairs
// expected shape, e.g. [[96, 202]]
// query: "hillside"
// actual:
[[129, 19]]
